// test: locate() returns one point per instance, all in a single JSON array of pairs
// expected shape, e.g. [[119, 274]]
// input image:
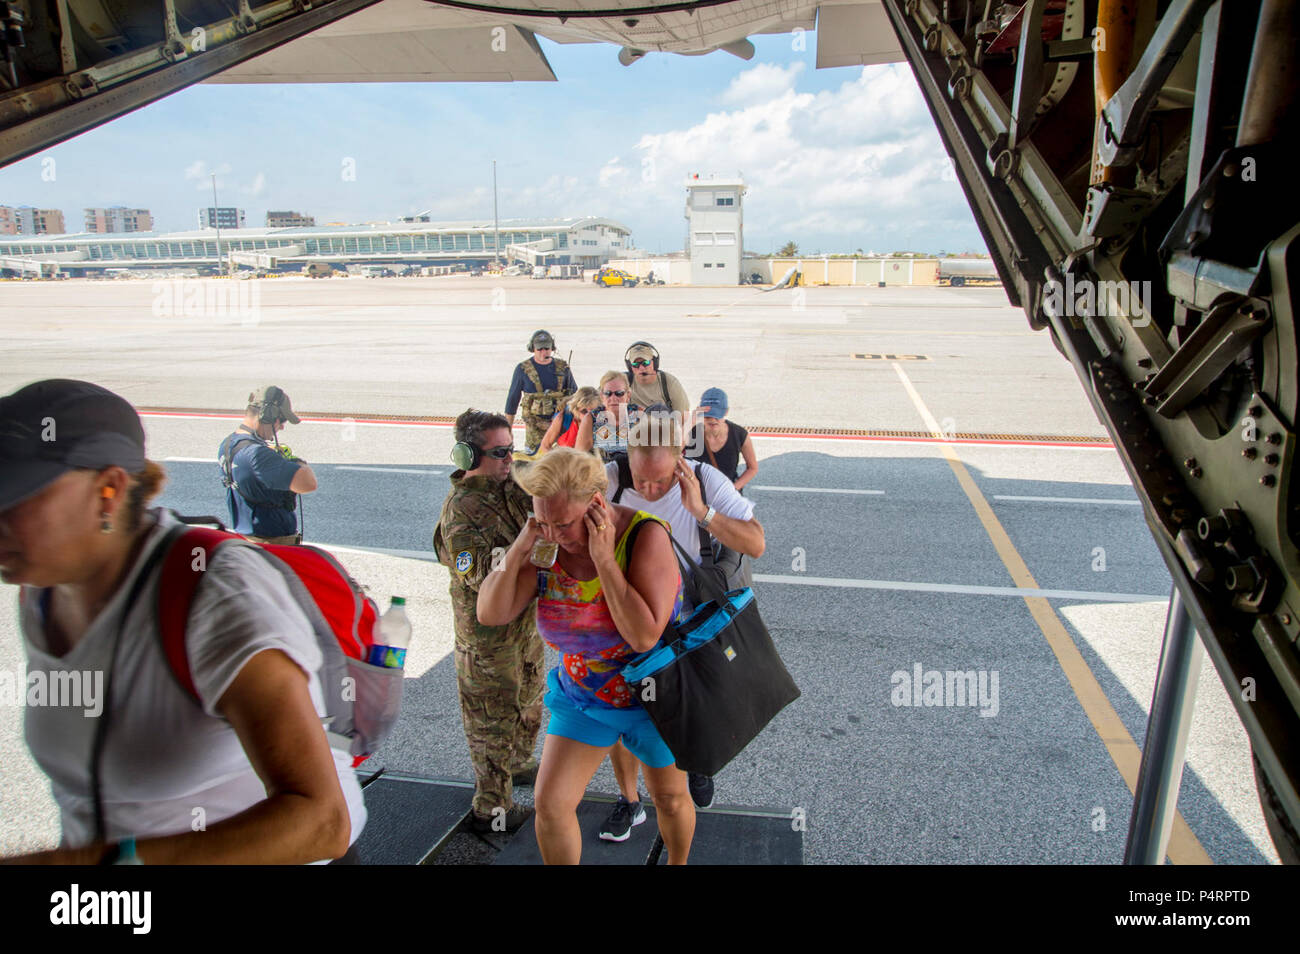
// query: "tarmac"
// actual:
[[878, 560]]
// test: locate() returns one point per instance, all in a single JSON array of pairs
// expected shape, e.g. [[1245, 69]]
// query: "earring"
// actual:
[[106, 518]]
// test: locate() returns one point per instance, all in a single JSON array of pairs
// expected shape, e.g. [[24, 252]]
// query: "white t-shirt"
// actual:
[[721, 493], [167, 766]]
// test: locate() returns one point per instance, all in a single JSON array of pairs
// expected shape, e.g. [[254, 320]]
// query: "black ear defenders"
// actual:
[[465, 456], [271, 413], [627, 359]]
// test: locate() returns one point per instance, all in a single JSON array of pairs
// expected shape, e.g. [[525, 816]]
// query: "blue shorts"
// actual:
[[602, 727]]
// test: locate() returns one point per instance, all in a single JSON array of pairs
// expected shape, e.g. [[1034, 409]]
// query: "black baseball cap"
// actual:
[[51, 427]]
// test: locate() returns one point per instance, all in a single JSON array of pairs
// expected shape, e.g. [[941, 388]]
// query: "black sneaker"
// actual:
[[500, 821], [618, 826], [701, 787]]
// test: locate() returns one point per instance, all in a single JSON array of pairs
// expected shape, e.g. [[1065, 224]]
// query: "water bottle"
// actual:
[[392, 636]]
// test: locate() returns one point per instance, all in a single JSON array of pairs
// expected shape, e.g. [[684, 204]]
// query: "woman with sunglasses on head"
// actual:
[[610, 594], [140, 770], [605, 431], [564, 428]]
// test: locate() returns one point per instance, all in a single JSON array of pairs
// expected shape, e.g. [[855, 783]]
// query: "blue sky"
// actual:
[[835, 160]]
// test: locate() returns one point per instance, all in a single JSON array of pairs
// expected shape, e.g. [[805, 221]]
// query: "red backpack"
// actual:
[[362, 701]]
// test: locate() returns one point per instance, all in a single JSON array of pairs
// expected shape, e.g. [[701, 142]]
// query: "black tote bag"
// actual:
[[715, 681]]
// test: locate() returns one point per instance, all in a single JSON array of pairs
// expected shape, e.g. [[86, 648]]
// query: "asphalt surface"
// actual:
[[857, 589]]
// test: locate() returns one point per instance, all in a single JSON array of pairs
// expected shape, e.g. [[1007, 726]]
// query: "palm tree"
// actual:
[[788, 250]]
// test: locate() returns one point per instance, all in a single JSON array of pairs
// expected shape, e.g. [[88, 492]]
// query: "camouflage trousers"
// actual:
[[534, 430], [499, 670]]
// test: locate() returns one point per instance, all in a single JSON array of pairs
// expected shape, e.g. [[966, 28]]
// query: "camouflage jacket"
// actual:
[[478, 516]]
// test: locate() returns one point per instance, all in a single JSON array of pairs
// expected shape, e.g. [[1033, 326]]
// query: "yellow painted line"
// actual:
[[1184, 848]]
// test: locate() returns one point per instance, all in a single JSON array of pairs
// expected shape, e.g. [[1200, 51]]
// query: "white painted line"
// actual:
[[812, 490], [387, 470], [428, 555], [190, 460], [1012, 591], [319, 422], [1082, 500], [931, 441]]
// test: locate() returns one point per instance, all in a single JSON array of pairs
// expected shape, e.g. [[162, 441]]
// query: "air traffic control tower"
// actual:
[[714, 232]]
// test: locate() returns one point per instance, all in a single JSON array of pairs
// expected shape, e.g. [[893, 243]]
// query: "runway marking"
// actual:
[[833, 582], [812, 490], [868, 439], [1184, 848], [1092, 596], [756, 432], [428, 555], [1082, 500], [332, 421], [388, 470]]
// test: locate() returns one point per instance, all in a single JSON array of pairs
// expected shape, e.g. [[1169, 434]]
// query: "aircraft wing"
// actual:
[[67, 67]]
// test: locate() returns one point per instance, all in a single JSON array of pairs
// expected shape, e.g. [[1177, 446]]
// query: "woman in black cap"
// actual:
[[140, 772]]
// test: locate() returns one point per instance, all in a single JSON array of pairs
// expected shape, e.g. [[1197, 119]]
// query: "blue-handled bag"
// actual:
[[715, 681]]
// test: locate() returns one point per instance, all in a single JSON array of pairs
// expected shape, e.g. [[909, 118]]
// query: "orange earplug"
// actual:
[[108, 493]]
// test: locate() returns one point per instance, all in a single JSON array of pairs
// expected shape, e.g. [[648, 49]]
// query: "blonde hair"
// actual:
[[659, 429], [564, 470], [610, 376], [585, 397]]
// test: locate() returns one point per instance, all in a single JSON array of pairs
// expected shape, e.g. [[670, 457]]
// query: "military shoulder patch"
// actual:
[[464, 560]]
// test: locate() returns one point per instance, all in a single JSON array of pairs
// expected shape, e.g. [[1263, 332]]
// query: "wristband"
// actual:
[[122, 853], [708, 518]]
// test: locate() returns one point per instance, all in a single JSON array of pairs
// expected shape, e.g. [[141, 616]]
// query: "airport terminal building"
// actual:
[[586, 241]]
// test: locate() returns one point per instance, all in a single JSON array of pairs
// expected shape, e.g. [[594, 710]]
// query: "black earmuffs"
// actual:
[[654, 359]]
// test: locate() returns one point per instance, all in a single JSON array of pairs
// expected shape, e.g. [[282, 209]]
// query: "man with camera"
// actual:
[[263, 481]]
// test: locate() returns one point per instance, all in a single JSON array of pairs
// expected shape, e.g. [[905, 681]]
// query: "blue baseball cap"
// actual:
[[714, 403]]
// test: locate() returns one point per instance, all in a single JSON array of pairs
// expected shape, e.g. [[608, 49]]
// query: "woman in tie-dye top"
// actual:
[[600, 604]]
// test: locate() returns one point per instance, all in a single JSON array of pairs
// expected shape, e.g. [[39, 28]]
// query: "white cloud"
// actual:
[[857, 166], [199, 171], [764, 82], [611, 173]]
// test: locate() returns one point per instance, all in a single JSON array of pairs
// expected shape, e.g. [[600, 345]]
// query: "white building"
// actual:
[[715, 235]]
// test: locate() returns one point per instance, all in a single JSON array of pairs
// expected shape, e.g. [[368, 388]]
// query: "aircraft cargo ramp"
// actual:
[[416, 821]]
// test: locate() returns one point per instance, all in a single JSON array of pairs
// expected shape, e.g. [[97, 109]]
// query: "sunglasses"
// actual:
[[614, 393], [500, 453], [642, 363]]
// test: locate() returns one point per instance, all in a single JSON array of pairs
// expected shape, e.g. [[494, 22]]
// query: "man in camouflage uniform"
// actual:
[[539, 388], [499, 669]]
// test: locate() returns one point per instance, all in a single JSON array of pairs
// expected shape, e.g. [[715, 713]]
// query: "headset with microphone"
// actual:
[[654, 358], [272, 410]]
